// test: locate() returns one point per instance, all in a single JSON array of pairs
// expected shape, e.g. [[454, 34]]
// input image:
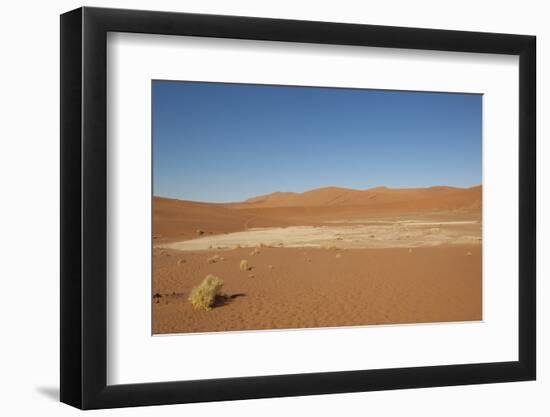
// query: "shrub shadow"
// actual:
[[223, 300]]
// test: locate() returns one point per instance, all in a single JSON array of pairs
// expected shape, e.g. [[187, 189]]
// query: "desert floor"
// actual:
[[315, 267], [312, 287]]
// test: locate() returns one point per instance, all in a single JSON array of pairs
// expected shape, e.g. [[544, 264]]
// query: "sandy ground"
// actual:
[[304, 288], [330, 257]]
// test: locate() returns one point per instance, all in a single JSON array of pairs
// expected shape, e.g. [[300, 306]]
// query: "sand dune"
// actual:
[[334, 257], [182, 220], [381, 198]]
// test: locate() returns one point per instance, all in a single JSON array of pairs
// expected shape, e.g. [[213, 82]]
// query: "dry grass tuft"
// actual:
[[244, 265], [181, 261], [200, 232], [204, 295], [256, 251], [214, 259], [338, 255]]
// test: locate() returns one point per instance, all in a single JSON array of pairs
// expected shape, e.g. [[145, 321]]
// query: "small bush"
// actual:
[[203, 296], [244, 265], [213, 259]]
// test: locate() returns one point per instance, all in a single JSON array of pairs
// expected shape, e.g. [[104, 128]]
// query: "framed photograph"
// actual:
[[258, 208]]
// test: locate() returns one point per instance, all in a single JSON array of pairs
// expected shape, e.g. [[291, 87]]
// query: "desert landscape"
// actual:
[[329, 257]]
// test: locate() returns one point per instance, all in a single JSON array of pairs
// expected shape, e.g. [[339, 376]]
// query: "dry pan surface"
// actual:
[[378, 234]]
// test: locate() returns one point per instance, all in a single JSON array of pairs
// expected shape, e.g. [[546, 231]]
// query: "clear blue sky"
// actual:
[[222, 142]]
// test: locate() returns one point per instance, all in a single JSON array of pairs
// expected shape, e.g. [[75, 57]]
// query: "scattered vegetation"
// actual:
[[200, 232], [181, 261], [203, 296], [244, 265]]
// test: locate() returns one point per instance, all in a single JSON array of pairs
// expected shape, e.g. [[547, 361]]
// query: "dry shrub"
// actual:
[[181, 261], [203, 296], [244, 265], [213, 259]]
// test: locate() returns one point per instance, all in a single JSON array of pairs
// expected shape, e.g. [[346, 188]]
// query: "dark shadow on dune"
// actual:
[[50, 392], [228, 299]]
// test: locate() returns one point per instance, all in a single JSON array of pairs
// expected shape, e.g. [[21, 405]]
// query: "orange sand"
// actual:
[[417, 269]]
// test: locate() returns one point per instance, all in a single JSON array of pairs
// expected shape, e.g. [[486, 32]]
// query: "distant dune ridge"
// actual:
[[439, 197], [182, 220]]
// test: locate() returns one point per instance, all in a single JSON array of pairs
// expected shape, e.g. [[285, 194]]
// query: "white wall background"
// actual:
[[29, 177]]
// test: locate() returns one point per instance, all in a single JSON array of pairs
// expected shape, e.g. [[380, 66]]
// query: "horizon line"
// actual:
[[321, 188]]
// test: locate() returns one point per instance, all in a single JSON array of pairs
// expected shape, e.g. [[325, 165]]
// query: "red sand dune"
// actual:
[[433, 198], [180, 220]]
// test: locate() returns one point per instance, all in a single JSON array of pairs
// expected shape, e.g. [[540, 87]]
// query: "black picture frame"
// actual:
[[84, 208]]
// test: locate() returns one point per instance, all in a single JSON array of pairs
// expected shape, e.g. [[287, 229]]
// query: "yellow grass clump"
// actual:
[[203, 296], [244, 265]]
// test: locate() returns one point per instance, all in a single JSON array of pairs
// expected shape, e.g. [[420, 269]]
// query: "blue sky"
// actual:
[[221, 142]]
